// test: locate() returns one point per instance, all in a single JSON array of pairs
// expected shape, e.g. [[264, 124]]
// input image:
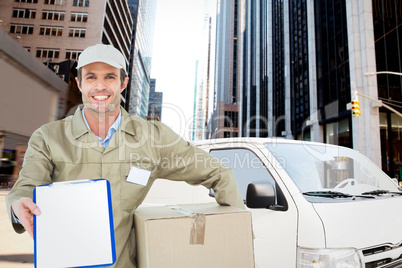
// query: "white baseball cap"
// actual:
[[102, 53]]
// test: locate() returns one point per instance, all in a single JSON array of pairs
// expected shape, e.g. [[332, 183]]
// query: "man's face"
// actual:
[[101, 87]]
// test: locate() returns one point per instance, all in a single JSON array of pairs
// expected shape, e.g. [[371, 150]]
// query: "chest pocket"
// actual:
[[135, 188]]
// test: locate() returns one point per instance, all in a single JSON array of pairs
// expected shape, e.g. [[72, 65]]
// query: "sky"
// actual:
[[176, 46]]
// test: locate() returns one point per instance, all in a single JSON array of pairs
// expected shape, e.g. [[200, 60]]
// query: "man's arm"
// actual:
[[36, 170], [182, 161]]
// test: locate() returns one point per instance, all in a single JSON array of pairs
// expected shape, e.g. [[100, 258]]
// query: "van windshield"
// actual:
[[323, 167]]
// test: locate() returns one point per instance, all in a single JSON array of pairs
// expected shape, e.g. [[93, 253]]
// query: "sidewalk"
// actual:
[[16, 250]]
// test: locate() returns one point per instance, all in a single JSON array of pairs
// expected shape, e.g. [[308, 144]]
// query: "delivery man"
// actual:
[[101, 140]]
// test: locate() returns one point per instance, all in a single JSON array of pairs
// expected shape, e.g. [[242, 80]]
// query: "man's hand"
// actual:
[[24, 209]]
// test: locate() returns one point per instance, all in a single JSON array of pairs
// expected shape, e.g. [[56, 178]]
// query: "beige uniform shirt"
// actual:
[[68, 150]]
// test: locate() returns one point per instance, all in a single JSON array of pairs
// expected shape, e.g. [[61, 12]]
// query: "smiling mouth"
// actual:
[[100, 97]]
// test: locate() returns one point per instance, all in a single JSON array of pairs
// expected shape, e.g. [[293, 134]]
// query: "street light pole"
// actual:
[[378, 101], [390, 150], [382, 72]]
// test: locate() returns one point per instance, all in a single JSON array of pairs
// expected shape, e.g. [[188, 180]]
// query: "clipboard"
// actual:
[[75, 228]]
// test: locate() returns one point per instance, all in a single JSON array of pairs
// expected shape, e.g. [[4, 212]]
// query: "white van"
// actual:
[[312, 204]]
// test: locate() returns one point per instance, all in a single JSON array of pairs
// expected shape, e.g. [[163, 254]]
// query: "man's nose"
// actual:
[[100, 84]]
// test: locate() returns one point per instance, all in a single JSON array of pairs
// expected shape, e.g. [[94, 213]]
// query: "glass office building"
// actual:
[[299, 67], [254, 68], [387, 19], [333, 74], [202, 79], [155, 102], [224, 121], [137, 93], [278, 70], [302, 62]]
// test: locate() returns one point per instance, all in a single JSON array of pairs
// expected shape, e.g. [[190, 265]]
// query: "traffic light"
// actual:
[[355, 107]]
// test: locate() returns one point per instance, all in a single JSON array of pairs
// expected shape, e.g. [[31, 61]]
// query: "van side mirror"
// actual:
[[260, 195]]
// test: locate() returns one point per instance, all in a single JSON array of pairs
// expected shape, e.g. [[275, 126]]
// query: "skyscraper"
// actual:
[[202, 80], [137, 92], [254, 70], [387, 17], [56, 30], [301, 63], [155, 102], [224, 121]]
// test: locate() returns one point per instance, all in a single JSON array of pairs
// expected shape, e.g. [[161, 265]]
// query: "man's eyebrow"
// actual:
[[90, 73], [114, 74]]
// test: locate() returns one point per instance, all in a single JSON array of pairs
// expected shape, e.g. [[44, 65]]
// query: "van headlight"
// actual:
[[328, 258]]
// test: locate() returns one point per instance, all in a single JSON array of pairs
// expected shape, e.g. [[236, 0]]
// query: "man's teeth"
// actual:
[[102, 97]]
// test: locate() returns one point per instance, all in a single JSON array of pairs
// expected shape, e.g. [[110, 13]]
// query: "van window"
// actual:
[[324, 167], [246, 165]]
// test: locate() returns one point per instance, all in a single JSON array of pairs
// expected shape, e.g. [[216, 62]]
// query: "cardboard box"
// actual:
[[194, 235]]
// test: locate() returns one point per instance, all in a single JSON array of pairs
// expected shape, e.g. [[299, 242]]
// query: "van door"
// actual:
[[275, 231]]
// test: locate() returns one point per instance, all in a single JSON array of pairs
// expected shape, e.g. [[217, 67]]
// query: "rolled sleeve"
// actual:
[[36, 170]]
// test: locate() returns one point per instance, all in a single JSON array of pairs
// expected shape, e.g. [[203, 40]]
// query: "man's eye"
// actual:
[[110, 77], [90, 77]]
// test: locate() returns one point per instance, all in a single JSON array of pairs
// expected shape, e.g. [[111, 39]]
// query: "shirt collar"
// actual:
[[79, 126], [114, 127]]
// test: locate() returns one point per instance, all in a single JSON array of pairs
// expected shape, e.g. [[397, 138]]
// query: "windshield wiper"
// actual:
[[334, 194], [381, 192]]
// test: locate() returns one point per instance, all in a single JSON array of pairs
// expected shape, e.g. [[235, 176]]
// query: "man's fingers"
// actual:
[[33, 208], [27, 222], [25, 205], [24, 209]]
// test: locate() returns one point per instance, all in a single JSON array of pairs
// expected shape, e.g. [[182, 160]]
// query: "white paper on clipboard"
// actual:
[[75, 228]]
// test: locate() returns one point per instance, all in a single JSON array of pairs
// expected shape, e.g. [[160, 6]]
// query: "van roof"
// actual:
[[256, 141]]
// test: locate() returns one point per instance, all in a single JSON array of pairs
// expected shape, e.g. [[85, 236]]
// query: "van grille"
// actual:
[[372, 251], [385, 262], [379, 263]]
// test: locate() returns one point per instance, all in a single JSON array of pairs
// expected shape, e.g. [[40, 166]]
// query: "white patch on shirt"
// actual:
[[138, 176]]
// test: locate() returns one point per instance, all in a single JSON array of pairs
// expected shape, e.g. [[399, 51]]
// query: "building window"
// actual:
[[47, 30], [338, 133], [21, 29], [228, 134], [81, 3], [54, 2], [51, 15], [24, 13], [231, 119], [47, 53], [76, 32], [79, 17], [27, 1], [72, 55], [28, 49]]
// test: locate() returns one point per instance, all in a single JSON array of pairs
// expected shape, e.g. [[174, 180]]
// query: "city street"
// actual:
[[16, 250]]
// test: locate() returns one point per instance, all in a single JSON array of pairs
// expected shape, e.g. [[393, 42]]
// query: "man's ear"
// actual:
[[78, 83], [125, 83]]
